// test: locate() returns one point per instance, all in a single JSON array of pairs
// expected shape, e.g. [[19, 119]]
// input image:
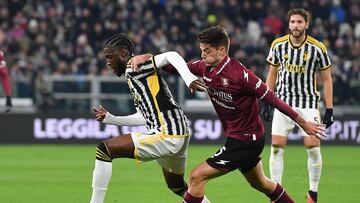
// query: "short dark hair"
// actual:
[[215, 36], [299, 11], [121, 41]]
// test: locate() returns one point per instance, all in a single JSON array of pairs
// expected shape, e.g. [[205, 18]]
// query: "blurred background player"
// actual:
[[234, 92], [295, 60], [168, 129], [5, 80]]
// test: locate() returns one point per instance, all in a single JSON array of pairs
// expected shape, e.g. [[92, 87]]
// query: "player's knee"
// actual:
[[277, 150], [196, 177], [102, 153], [179, 190], [315, 154]]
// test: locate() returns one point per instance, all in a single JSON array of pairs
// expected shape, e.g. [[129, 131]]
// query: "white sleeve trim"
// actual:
[[135, 119], [178, 62]]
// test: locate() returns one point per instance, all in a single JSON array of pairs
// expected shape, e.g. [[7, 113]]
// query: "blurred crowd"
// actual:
[[41, 37]]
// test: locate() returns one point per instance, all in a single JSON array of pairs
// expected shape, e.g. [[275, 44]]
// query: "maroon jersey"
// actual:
[[234, 91], [4, 75]]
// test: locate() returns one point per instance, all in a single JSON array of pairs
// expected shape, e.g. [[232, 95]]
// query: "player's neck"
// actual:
[[219, 61], [297, 40]]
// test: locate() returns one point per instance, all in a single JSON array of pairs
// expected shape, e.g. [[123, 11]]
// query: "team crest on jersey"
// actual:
[[305, 57], [286, 56], [225, 82]]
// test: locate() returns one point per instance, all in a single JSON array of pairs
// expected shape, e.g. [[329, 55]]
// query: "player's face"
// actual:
[[211, 55], [114, 61], [297, 25]]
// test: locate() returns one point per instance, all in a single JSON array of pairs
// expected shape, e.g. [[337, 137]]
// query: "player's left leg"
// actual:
[[314, 166], [4, 75], [257, 179], [314, 155]]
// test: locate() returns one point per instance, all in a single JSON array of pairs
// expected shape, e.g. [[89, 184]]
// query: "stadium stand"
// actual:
[[65, 38]]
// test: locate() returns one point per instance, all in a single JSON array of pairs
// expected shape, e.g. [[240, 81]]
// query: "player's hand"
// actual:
[[266, 112], [197, 85], [138, 60], [312, 129], [100, 113], [328, 118]]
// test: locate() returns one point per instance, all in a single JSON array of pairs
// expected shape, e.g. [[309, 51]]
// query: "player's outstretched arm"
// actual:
[[106, 117]]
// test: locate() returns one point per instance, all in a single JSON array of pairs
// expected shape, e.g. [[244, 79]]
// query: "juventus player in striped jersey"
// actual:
[[295, 60], [234, 92], [168, 131]]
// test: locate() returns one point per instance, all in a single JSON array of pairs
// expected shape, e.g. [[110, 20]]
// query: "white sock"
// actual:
[[276, 163], [205, 200], [314, 167], [101, 178]]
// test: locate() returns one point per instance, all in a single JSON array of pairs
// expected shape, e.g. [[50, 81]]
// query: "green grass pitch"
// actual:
[[62, 173]]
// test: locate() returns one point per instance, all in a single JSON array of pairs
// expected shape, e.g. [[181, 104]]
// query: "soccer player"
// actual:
[[234, 92], [5, 79], [168, 132], [295, 60]]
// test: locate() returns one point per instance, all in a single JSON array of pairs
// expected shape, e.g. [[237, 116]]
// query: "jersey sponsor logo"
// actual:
[[295, 68], [220, 94], [225, 81]]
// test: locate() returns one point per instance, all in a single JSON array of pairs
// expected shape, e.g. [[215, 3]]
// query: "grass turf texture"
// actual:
[[62, 173]]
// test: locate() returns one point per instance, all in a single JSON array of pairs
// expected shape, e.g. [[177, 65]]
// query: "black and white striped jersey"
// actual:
[[154, 100], [297, 67]]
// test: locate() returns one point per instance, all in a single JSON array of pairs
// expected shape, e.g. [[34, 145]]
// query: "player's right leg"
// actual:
[[281, 127], [121, 146]]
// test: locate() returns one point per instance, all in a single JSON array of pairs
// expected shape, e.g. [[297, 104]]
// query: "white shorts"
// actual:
[[169, 151], [282, 125]]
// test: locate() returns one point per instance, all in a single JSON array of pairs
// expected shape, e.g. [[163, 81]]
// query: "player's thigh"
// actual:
[[120, 146], [152, 146], [176, 163], [205, 172], [312, 115], [282, 125]]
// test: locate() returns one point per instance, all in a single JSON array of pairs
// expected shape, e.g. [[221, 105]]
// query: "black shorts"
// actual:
[[237, 154]]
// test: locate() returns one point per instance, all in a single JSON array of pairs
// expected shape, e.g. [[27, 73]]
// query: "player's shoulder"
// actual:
[[237, 64], [316, 42], [238, 69], [280, 40]]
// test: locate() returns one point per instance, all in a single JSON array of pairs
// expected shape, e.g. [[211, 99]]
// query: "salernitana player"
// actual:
[[234, 92], [5, 80]]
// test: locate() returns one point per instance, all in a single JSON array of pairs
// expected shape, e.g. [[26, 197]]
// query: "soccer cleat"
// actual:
[[312, 197]]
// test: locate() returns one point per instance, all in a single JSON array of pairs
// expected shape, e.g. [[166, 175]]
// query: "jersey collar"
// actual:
[[221, 65], [296, 47]]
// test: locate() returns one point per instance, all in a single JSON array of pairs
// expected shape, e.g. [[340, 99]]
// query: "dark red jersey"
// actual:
[[235, 91]]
